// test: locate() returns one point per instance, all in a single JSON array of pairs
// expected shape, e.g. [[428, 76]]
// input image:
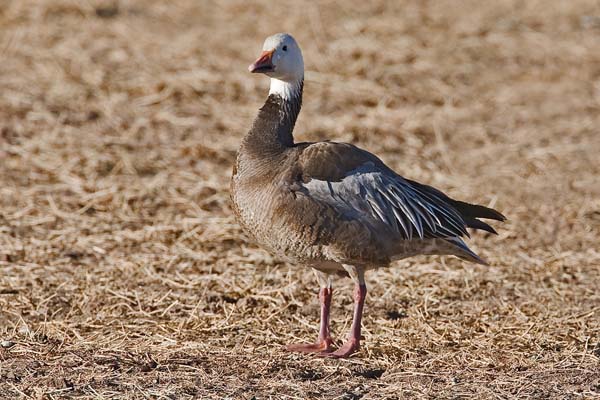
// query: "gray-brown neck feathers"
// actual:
[[271, 132]]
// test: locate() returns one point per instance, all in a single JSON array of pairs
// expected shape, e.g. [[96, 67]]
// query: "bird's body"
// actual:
[[333, 206]]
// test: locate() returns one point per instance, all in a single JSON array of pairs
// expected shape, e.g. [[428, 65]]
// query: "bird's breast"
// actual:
[[278, 218]]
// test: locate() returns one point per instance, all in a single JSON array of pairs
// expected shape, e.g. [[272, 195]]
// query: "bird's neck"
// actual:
[[271, 132]]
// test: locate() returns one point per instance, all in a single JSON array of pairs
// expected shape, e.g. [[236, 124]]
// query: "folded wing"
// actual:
[[360, 186]]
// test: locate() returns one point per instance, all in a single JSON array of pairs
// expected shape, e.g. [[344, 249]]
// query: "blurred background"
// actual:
[[123, 270]]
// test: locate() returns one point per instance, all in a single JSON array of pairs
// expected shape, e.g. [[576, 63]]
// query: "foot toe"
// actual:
[[321, 347], [345, 351]]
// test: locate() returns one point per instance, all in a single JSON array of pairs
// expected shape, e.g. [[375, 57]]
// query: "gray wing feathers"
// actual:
[[416, 214], [380, 196]]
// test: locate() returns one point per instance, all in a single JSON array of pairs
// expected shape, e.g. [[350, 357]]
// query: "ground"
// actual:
[[124, 274]]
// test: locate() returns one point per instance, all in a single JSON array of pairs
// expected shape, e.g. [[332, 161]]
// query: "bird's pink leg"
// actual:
[[353, 342], [323, 344]]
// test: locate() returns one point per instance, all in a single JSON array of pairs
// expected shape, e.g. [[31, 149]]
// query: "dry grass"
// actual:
[[124, 274]]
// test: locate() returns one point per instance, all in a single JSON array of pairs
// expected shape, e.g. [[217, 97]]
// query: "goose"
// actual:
[[331, 206]]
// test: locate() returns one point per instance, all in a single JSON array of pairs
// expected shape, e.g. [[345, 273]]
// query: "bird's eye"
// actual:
[[284, 48]]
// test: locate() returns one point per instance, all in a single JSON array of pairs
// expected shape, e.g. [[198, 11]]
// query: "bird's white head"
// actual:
[[281, 59]]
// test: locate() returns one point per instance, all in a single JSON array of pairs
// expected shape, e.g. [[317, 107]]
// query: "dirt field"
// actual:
[[124, 274]]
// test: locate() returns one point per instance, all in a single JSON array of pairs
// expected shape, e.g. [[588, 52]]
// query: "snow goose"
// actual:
[[333, 206]]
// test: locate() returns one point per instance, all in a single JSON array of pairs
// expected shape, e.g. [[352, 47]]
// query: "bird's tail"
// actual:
[[464, 252], [470, 213]]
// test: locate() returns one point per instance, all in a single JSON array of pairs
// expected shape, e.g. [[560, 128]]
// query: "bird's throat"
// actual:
[[287, 90]]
